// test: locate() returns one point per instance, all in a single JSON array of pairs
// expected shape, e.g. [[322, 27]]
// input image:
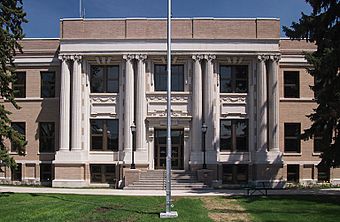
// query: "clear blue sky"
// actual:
[[44, 15]]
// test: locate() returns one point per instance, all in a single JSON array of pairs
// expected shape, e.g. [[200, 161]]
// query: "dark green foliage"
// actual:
[[11, 18], [322, 27]]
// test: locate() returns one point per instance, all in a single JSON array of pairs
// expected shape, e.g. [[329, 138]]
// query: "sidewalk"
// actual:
[[19, 189]]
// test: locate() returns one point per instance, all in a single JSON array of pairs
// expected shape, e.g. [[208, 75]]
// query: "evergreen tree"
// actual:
[[12, 16], [322, 27]]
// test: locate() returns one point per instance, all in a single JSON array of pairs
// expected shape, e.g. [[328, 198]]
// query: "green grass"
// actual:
[[58, 207], [293, 208]]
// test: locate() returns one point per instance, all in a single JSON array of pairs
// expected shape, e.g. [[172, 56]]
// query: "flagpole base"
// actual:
[[171, 214]]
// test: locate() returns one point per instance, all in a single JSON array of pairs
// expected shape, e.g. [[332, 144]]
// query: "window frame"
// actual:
[[16, 174], [234, 137], [19, 89], [105, 78], [44, 173], [104, 136], [15, 149], [234, 78], [291, 137], [47, 137], [234, 173], [288, 86], [173, 89], [43, 84], [296, 173], [104, 174]]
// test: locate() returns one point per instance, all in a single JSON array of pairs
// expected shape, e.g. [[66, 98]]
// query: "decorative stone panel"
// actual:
[[233, 104], [104, 104]]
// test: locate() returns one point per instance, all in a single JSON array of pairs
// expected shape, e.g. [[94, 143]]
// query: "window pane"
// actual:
[[96, 134], [241, 127], [20, 127], [97, 79], [227, 174], [241, 79], [177, 78], [46, 172], [47, 84], [46, 137], [323, 174], [225, 80], [19, 85], [291, 84], [161, 77], [241, 173], [112, 79], [225, 135], [17, 173], [112, 135], [293, 173], [292, 137]]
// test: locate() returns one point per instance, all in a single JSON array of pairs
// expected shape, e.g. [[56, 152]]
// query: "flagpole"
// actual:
[[168, 213]]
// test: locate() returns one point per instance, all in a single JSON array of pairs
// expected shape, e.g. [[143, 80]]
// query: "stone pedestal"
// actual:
[[131, 175]]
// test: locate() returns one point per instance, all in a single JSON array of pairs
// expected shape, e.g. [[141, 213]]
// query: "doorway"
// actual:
[[177, 156]]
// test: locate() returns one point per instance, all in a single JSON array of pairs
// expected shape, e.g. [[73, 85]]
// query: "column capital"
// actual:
[[129, 57], [197, 57], [64, 57], [263, 58], [141, 57], [275, 57], [209, 57], [77, 58]]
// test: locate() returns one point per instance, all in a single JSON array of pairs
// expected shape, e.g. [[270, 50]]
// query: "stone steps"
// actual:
[[155, 180]]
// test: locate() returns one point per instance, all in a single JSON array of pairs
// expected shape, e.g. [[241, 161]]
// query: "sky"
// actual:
[[44, 15]]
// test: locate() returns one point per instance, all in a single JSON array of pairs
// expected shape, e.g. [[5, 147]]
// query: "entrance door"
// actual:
[[177, 156]]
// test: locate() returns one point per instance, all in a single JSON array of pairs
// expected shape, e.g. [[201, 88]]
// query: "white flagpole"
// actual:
[[168, 213]]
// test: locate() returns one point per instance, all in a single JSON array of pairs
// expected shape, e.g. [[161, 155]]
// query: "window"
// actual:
[[46, 137], [46, 172], [101, 173], [234, 135], [293, 173], [292, 137], [16, 173], [235, 174], [323, 174], [104, 135], [20, 127], [104, 79], [234, 79], [19, 85], [317, 143], [47, 81], [177, 78], [291, 84]]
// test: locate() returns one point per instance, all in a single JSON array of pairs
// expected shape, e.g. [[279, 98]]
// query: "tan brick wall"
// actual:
[[307, 171], [30, 170], [34, 110], [335, 173], [69, 172], [269, 172], [181, 29]]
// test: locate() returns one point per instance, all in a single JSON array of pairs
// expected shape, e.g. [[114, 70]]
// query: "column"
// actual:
[[128, 101], [261, 104], [140, 102], [208, 98], [65, 88], [76, 104], [273, 108], [197, 104]]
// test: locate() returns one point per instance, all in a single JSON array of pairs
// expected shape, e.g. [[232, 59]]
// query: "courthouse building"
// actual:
[[240, 96]]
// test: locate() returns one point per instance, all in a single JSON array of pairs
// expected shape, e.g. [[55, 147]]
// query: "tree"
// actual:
[[12, 16], [322, 27]]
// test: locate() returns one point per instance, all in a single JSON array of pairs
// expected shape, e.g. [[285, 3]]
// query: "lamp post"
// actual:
[[133, 131], [204, 131]]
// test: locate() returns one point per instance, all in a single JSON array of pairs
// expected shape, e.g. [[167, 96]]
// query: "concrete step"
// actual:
[[161, 183], [174, 187]]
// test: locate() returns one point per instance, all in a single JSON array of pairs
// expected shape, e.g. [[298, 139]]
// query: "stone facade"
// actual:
[[137, 48]]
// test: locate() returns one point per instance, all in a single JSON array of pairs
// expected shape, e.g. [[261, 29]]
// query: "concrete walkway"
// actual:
[[20, 189]]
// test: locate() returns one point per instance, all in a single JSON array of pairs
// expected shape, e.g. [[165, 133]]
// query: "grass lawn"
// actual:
[[292, 208], [59, 207]]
